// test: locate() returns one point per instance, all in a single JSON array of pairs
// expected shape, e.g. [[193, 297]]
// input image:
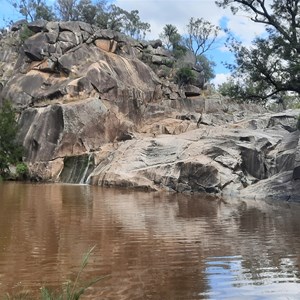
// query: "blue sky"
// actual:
[[178, 12]]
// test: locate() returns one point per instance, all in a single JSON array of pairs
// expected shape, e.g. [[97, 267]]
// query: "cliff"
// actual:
[[98, 107]]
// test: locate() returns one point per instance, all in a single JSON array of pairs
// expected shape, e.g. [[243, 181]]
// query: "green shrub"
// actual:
[[10, 149], [22, 171], [168, 63], [179, 51], [184, 76], [25, 33]]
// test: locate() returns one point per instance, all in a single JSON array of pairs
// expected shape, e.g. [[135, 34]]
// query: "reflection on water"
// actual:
[[154, 245]]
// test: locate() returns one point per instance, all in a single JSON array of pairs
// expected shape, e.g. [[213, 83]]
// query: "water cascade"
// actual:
[[77, 169]]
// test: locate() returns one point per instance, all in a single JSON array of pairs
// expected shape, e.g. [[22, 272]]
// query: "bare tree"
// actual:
[[201, 36]]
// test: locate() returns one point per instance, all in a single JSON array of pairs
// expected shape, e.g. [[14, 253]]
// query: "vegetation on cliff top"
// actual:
[[270, 66], [199, 38]]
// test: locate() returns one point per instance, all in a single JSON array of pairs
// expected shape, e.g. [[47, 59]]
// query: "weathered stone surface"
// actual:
[[68, 37], [52, 26], [86, 27], [106, 45], [36, 47], [278, 187], [296, 173], [73, 27], [47, 65], [70, 129], [18, 25], [155, 44], [83, 93], [192, 91], [40, 141], [37, 26], [76, 169]]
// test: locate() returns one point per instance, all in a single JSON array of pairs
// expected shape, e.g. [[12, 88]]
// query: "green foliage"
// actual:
[[184, 76], [170, 36], [22, 171], [229, 89], [241, 90], [10, 150], [296, 105], [86, 11], [121, 20], [72, 290], [96, 13], [104, 16], [206, 66], [201, 36], [25, 33], [272, 63], [20, 296], [44, 12], [66, 9], [34, 9], [179, 51], [133, 26], [167, 62]]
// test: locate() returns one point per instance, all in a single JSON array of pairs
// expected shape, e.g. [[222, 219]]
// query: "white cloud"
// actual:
[[178, 12], [244, 28], [220, 78]]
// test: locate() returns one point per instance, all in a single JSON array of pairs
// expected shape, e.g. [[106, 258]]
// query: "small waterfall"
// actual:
[[77, 168], [84, 175]]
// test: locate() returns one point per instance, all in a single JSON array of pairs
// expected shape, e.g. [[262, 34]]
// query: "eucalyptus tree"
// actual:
[[206, 66], [33, 10], [67, 9], [170, 36], [86, 11], [128, 22], [272, 64], [201, 35]]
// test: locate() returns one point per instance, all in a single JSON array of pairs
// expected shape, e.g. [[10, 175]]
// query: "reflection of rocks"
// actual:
[[165, 246]]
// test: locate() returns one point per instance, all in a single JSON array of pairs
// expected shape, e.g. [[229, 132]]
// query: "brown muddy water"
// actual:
[[153, 246]]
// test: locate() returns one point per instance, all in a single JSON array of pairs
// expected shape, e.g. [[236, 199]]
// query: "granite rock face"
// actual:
[[97, 107], [230, 159], [71, 60]]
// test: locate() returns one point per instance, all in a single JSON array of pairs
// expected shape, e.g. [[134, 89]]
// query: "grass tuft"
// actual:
[[69, 290]]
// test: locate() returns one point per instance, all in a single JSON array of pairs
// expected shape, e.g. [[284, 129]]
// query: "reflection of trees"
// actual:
[[265, 238], [271, 252], [10, 208], [158, 246]]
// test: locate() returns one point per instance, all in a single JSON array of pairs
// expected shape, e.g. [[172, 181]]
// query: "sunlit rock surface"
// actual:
[[97, 107]]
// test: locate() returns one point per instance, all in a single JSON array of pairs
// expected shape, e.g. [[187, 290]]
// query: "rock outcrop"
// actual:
[[98, 107], [240, 159]]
